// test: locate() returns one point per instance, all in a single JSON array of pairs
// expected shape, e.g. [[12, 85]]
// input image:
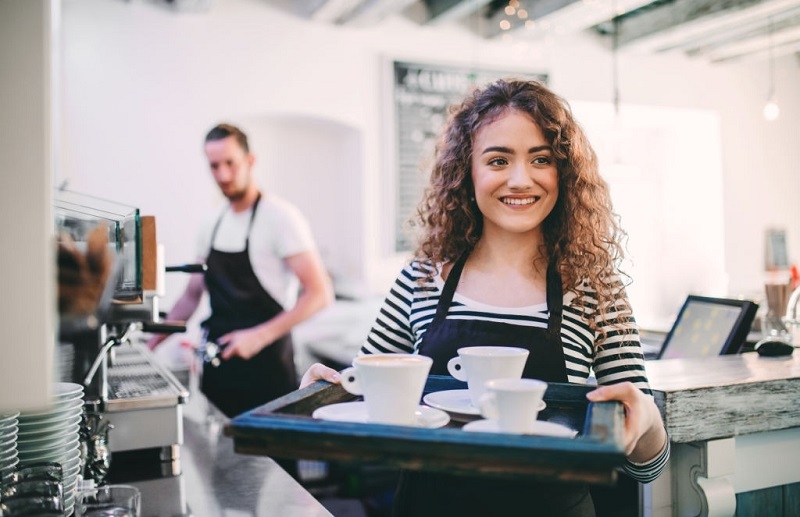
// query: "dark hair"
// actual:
[[223, 131], [581, 233]]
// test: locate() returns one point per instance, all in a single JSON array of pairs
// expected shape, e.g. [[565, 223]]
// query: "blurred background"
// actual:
[[342, 99]]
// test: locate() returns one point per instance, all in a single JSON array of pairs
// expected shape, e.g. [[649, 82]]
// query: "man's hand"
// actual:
[[244, 343]]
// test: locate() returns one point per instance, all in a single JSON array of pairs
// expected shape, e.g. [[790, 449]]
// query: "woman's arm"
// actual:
[[620, 370]]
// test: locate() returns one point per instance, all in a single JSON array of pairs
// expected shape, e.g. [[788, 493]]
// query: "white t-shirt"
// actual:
[[279, 230]]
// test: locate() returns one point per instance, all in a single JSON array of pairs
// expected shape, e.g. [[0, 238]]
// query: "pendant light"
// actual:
[[616, 129], [771, 108], [618, 167]]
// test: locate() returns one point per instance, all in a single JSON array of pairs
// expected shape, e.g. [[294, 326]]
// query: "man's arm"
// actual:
[[184, 307], [316, 294]]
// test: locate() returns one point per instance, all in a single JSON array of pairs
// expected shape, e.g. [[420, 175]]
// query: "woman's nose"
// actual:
[[520, 176]]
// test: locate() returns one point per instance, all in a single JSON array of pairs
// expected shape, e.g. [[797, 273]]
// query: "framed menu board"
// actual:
[[776, 255], [421, 96]]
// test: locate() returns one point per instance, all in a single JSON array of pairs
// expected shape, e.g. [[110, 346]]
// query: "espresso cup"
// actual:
[[513, 403], [478, 364], [391, 384]]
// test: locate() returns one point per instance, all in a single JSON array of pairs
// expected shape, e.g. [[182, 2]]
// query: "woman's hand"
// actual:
[[644, 434], [318, 372]]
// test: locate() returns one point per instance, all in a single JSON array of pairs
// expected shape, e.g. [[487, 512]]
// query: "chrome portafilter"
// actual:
[[208, 351]]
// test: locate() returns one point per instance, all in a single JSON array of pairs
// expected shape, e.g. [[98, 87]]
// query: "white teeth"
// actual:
[[526, 201]]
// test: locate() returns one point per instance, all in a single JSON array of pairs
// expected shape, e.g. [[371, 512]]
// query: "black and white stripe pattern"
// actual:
[[614, 357]]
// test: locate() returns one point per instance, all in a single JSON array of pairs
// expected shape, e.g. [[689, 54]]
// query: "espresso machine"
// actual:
[[132, 403]]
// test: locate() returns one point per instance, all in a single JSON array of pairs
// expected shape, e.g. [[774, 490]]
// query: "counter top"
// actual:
[[724, 396], [213, 480]]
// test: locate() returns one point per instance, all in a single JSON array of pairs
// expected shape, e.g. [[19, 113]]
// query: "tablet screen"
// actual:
[[702, 329]]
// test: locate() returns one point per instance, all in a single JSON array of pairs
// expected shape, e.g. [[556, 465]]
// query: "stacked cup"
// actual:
[[52, 436], [496, 388], [477, 365]]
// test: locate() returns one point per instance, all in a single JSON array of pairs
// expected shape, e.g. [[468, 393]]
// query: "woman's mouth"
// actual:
[[519, 201]]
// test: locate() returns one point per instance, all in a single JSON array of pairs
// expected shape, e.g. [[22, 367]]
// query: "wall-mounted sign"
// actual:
[[776, 255], [422, 94]]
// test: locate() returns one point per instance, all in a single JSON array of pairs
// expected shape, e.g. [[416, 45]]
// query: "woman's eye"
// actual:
[[542, 160], [498, 161]]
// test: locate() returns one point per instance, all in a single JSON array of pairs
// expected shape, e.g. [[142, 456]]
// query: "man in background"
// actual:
[[259, 253]]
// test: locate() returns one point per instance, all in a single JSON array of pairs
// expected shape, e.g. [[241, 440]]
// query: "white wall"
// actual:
[[142, 85], [27, 263]]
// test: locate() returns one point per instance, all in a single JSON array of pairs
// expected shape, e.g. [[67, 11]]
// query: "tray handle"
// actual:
[[605, 421]]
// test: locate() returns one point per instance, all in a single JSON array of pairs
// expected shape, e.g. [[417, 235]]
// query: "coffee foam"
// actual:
[[392, 359], [494, 351]]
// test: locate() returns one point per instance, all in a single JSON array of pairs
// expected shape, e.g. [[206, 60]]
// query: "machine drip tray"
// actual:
[[144, 464], [137, 381], [145, 402]]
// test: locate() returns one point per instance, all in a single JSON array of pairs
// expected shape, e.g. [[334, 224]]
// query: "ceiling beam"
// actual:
[[758, 33], [725, 34], [758, 48], [444, 11], [368, 12], [347, 12], [671, 25], [327, 11], [561, 16]]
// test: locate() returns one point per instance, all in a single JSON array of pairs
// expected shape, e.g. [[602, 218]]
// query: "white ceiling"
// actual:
[[714, 30]]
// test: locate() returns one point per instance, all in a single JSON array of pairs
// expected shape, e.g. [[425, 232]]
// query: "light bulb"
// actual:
[[771, 110]]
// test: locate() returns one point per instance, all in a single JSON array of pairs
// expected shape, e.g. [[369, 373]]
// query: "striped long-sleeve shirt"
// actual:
[[612, 356]]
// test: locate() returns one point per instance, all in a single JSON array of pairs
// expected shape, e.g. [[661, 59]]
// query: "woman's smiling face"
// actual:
[[514, 174]]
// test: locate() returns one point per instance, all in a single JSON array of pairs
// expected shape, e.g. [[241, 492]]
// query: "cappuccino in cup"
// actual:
[[391, 384]]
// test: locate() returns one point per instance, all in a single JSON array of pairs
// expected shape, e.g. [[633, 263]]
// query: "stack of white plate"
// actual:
[[8, 447], [52, 435]]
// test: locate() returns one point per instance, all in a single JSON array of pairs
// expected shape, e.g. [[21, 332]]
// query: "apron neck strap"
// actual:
[[555, 295], [555, 299], [249, 225], [450, 288]]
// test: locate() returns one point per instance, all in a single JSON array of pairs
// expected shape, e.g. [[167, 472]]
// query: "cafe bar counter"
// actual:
[[209, 479], [734, 423]]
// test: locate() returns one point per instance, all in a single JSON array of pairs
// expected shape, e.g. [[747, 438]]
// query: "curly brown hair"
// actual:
[[581, 234]]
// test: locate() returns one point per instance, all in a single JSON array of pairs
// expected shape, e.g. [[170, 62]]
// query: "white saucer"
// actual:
[[357, 412], [456, 401], [66, 390], [541, 427]]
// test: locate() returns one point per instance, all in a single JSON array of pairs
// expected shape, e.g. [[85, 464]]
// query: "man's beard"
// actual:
[[237, 195]]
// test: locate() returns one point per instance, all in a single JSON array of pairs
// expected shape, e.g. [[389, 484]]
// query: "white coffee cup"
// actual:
[[478, 364], [514, 403], [391, 384]]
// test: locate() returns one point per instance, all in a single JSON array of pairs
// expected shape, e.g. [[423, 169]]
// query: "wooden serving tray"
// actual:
[[284, 428]]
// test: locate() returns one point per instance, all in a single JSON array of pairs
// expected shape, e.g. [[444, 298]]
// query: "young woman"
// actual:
[[519, 246]]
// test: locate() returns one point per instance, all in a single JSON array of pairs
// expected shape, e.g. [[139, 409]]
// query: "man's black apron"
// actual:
[[427, 493], [239, 301]]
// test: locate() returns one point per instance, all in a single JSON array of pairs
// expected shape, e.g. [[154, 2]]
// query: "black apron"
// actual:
[[238, 301], [423, 493]]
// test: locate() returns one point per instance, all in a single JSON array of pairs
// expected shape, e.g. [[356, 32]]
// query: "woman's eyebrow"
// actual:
[[502, 149], [496, 149]]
